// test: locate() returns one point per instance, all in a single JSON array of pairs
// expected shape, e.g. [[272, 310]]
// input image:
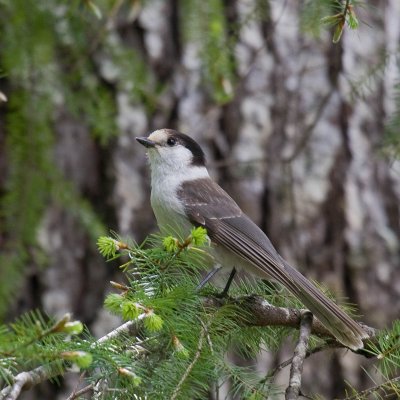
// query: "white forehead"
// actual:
[[159, 136]]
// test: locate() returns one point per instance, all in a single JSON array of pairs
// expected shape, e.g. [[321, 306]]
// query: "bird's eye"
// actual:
[[171, 142]]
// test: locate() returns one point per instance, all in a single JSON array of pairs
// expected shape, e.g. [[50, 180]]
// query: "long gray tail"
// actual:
[[344, 328]]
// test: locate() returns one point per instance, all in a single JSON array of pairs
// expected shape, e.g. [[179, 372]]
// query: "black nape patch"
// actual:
[[199, 158]]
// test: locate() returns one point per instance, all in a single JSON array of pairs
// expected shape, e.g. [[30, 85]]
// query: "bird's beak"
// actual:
[[146, 142]]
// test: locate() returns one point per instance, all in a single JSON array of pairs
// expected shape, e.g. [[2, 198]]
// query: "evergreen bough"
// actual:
[[174, 341]]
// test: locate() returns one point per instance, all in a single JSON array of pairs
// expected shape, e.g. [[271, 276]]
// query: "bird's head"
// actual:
[[172, 150]]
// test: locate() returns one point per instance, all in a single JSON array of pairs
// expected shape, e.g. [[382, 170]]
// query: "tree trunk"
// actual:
[[296, 146]]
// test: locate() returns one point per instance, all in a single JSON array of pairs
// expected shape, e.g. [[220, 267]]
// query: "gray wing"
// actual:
[[229, 227]]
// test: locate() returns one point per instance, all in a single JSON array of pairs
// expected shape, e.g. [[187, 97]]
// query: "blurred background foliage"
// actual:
[[49, 59], [82, 78]]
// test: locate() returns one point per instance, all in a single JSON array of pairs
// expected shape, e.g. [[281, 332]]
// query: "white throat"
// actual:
[[166, 179]]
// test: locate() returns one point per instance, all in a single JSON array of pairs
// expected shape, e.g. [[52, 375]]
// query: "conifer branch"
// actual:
[[191, 365], [262, 314], [27, 379], [300, 352], [385, 385], [265, 314]]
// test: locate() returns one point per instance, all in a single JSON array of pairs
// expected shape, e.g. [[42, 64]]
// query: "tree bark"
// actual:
[[296, 149]]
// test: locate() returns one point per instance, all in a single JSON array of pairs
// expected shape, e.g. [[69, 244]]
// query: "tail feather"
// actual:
[[343, 327]]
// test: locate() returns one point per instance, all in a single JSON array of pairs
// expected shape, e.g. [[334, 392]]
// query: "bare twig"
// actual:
[[74, 392], [3, 97], [293, 390], [80, 392], [287, 362], [26, 380], [126, 328], [305, 136], [346, 8], [309, 129]]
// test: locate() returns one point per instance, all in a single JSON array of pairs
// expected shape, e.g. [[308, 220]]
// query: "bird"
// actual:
[[183, 196]]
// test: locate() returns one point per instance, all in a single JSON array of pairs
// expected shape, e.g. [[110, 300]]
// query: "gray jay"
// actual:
[[183, 195]]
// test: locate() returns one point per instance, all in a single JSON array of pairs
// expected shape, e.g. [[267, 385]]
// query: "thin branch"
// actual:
[[287, 362], [73, 394], [207, 335], [191, 365], [228, 162], [346, 9], [265, 314], [293, 390], [126, 328], [309, 129], [27, 379], [80, 392], [305, 136], [367, 392]]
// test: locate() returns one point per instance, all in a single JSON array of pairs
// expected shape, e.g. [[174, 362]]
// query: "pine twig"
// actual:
[[293, 390], [191, 365], [265, 314], [346, 9], [27, 379], [373, 389]]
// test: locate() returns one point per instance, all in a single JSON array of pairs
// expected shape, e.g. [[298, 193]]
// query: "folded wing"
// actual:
[[207, 204]]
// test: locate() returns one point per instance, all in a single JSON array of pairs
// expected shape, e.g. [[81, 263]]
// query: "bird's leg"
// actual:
[[224, 293], [208, 277]]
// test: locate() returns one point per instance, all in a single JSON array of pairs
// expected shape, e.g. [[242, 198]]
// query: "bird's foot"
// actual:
[[224, 293], [208, 277]]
